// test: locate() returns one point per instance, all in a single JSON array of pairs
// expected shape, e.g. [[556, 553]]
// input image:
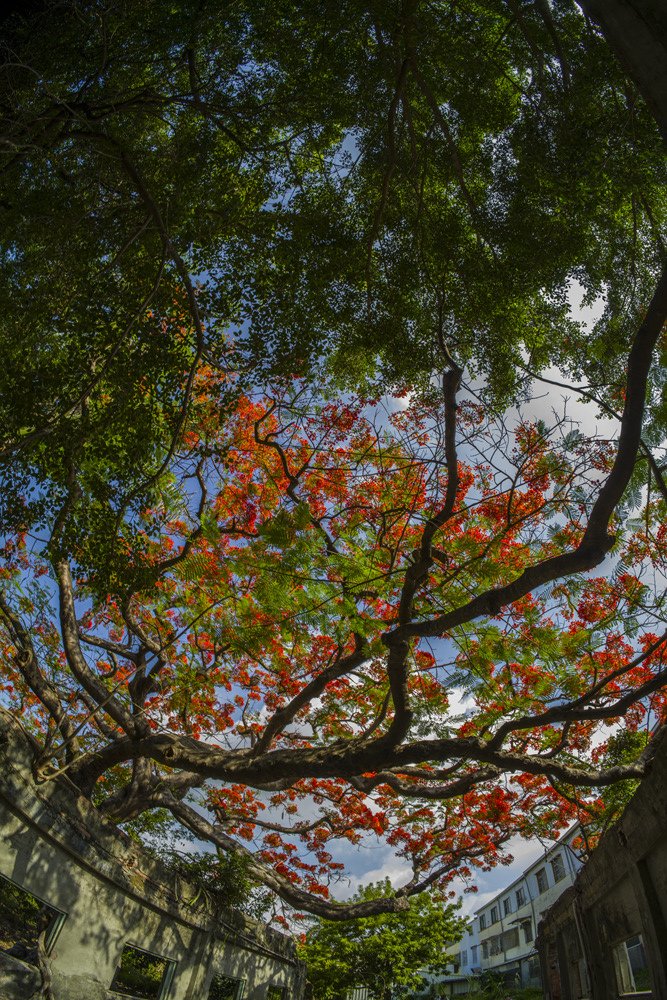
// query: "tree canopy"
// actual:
[[382, 953], [357, 188], [280, 561]]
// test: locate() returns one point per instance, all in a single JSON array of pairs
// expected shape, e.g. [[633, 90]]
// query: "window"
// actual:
[[485, 949], [507, 906], [558, 868], [542, 880], [494, 914], [24, 919], [631, 967], [276, 993], [527, 927], [482, 921], [464, 957], [511, 939], [226, 988], [473, 955], [496, 944], [534, 971], [520, 896], [142, 975]]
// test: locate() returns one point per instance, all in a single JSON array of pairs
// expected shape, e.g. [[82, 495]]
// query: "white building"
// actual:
[[501, 935], [504, 929]]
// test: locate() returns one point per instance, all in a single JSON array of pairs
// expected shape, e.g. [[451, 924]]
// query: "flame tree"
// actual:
[[284, 617], [337, 622]]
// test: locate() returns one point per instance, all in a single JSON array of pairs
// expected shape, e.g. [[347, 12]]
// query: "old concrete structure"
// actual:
[[606, 937], [109, 894]]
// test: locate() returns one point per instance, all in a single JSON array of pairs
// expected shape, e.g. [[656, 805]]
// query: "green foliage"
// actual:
[[223, 875], [624, 747], [139, 974], [22, 916], [275, 192], [381, 952], [224, 988], [498, 991]]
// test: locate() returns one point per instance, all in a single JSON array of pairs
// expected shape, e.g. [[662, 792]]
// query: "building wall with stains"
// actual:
[[112, 895], [606, 937]]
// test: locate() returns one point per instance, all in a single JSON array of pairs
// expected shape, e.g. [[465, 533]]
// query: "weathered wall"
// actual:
[[114, 893], [619, 894]]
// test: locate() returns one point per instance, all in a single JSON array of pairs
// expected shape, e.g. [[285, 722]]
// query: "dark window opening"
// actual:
[[225, 988], [142, 975], [542, 881], [276, 993], [558, 868], [511, 939], [26, 922]]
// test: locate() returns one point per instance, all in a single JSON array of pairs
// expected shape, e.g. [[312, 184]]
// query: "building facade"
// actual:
[[91, 915], [501, 935], [607, 936], [504, 930]]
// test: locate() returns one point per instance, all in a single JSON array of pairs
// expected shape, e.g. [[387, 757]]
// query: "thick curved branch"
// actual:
[[77, 661], [423, 790], [579, 709], [293, 895], [341, 666], [342, 760], [596, 540], [399, 648]]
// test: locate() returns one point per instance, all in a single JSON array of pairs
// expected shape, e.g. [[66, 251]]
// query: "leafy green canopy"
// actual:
[[380, 952], [276, 189]]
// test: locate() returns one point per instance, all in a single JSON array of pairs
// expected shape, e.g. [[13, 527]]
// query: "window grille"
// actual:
[[542, 880], [558, 868]]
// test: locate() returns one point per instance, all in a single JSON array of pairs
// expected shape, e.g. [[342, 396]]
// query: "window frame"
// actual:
[[624, 973], [527, 928], [509, 936], [240, 984], [521, 898], [543, 873], [167, 978], [55, 924], [494, 920], [275, 986], [558, 861]]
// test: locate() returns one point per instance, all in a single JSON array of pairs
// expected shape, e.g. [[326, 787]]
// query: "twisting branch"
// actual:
[[27, 663], [596, 540], [341, 665], [579, 709], [296, 897], [396, 641], [77, 661]]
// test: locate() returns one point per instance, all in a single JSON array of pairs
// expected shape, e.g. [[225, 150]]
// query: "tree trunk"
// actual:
[[636, 31]]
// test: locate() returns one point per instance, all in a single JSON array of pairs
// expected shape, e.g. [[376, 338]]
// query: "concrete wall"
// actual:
[[618, 896], [113, 893]]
